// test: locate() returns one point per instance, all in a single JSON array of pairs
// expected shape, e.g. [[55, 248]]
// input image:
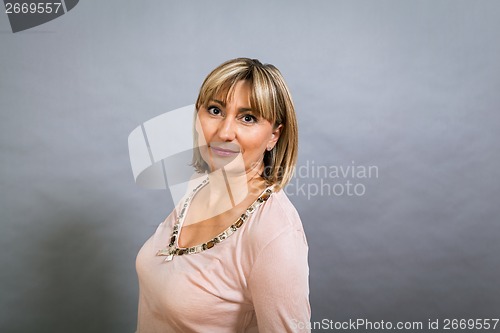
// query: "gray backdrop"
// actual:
[[410, 87]]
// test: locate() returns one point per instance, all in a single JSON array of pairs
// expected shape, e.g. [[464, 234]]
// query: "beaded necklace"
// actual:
[[174, 250]]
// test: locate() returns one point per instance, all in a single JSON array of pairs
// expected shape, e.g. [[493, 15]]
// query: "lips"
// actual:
[[224, 151]]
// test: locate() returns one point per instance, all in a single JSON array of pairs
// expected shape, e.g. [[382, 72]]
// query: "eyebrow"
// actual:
[[224, 105]]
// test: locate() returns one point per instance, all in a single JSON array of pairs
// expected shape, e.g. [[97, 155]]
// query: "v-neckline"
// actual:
[[173, 246]]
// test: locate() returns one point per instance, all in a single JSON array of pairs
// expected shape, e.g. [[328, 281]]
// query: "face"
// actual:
[[235, 137]]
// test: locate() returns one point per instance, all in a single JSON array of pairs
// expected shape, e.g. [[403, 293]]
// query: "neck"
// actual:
[[233, 188], [227, 190]]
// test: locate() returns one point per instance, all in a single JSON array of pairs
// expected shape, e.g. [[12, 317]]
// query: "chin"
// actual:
[[232, 167]]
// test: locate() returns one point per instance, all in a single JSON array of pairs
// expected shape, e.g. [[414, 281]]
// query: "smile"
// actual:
[[223, 152]]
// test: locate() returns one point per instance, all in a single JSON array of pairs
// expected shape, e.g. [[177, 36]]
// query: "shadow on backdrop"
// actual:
[[68, 283]]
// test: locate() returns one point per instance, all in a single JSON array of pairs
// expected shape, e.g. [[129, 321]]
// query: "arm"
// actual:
[[279, 284]]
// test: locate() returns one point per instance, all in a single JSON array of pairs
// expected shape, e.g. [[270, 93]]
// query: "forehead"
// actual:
[[239, 93]]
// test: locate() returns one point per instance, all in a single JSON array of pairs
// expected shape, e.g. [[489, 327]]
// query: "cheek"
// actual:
[[256, 143], [204, 128]]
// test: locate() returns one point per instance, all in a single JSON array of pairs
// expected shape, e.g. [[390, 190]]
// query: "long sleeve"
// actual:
[[279, 284]]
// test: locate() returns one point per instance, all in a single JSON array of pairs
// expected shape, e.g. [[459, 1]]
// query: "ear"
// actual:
[[275, 135]]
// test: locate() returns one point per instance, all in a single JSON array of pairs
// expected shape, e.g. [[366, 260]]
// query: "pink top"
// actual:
[[254, 281]]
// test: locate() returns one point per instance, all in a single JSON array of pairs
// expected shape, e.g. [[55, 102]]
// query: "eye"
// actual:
[[248, 118], [213, 110]]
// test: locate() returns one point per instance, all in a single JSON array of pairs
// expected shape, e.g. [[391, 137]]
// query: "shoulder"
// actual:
[[273, 221], [277, 212], [278, 277]]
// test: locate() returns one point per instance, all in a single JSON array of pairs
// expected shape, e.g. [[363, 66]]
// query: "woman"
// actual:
[[232, 257]]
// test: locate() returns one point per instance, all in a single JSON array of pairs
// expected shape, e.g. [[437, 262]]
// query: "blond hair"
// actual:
[[270, 99]]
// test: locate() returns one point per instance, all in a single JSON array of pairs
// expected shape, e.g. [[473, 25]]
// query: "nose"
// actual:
[[227, 129]]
